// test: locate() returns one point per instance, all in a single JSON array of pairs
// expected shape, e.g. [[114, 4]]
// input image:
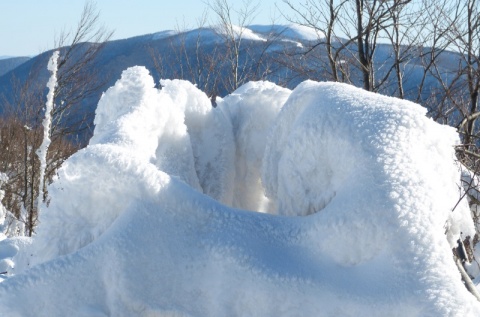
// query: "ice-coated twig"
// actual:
[[47, 122]]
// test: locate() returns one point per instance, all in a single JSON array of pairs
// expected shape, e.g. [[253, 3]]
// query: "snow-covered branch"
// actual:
[[47, 122]]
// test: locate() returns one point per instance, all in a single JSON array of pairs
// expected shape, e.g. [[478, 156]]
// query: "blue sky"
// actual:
[[28, 27]]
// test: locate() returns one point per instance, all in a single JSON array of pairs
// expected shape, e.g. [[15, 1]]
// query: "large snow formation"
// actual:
[[364, 186]]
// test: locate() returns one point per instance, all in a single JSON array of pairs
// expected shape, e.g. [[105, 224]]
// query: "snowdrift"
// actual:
[[143, 222]]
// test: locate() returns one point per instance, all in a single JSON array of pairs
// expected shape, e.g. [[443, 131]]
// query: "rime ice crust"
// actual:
[[251, 111], [138, 236]]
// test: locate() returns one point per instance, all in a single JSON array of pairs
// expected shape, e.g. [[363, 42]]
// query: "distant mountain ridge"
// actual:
[[177, 53], [117, 55], [8, 63]]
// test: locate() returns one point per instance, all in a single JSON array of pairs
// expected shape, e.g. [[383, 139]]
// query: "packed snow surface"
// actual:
[[359, 189]]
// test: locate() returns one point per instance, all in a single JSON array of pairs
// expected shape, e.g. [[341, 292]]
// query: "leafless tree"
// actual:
[[78, 78], [403, 32], [197, 62], [321, 16], [434, 44], [232, 30], [21, 131], [351, 32], [221, 65], [465, 38], [245, 58]]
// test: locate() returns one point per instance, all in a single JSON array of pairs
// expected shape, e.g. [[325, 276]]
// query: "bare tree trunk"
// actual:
[[233, 33], [331, 58], [396, 48], [364, 65]]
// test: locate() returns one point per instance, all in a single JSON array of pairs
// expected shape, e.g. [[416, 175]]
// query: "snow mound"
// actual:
[[137, 129], [363, 168], [139, 238]]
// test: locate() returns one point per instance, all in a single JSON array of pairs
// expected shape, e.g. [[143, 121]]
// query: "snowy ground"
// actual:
[[357, 191]]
